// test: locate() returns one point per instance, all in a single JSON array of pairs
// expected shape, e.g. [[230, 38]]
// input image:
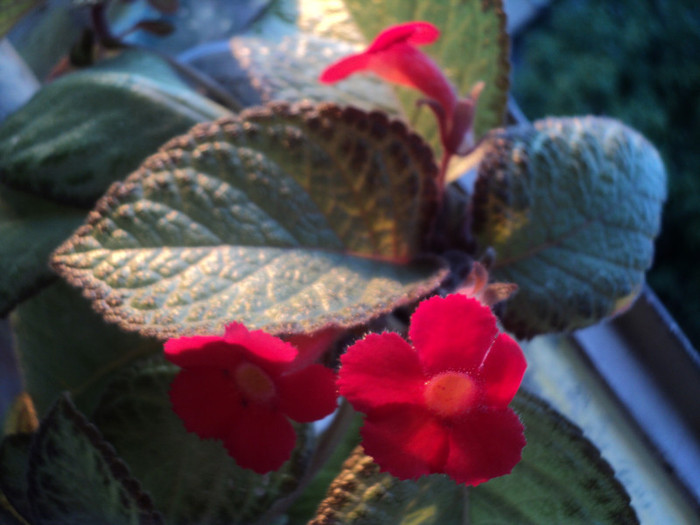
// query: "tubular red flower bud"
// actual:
[[441, 405], [243, 388]]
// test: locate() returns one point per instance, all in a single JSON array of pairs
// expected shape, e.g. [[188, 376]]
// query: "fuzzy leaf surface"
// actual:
[[473, 47], [571, 207], [191, 480], [75, 477], [561, 479], [287, 69], [85, 130], [286, 219]]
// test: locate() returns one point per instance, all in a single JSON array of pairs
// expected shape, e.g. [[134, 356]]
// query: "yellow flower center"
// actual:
[[254, 383], [450, 393]]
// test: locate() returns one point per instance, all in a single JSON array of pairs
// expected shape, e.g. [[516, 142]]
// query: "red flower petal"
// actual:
[[344, 67], [452, 333], [260, 347], [307, 395], [379, 370], [206, 400], [261, 440], [311, 346], [484, 445], [415, 33], [189, 352], [405, 441], [502, 371]]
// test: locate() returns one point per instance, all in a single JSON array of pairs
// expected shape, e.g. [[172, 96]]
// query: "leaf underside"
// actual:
[[286, 218], [561, 479], [571, 207]]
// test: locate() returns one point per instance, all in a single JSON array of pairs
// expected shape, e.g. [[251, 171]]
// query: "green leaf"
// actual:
[[12, 10], [62, 344], [287, 69], [473, 47], [14, 462], [571, 206], [75, 477], [191, 480], [30, 228], [85, 130], [561, 479], [286, 219]]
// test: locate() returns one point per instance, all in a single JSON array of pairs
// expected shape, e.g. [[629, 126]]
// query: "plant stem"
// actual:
[[327, 443]]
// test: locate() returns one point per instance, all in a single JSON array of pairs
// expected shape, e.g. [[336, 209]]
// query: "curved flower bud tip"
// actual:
[[441, 405], [393, 57], [243, 388]]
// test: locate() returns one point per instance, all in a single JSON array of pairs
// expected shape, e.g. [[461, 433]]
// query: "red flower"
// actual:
[[243, 388], [441, 407], [393, 57]]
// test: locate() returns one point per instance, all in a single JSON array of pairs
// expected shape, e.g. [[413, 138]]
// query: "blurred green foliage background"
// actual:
[[637, 61]]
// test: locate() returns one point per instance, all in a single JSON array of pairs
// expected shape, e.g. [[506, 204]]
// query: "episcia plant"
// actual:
[[306, 260]]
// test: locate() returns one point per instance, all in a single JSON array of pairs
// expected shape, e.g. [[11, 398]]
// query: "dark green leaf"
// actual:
[[85, 130], [75, 477], [14, 461], [286, 219], [30, 228], [473, 47], [63, 345], [561, 479], [571, 206], [191, 480]]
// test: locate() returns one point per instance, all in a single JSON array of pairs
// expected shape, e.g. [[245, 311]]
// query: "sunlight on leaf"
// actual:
[[286, 219]]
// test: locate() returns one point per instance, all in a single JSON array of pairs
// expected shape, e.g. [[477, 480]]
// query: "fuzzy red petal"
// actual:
[[344, 67], [502, 372], [405, 65], [415, 33], [260, 347], [483, 446], [452, 333], [307, 395], [261, 440], [379, 370], [206, 400], [405, 441], [310, 347]]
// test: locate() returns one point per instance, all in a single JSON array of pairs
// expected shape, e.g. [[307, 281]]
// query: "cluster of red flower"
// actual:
[[439, 406]]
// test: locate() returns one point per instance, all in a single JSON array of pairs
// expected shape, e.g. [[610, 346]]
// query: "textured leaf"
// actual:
[[75, 477], [85, 130], [287, 69], [30, 228], [191, 480], [571, 207], [62, 344], [14, 461], [561, 479], [473, 47], [285, 219], [12, 10]]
